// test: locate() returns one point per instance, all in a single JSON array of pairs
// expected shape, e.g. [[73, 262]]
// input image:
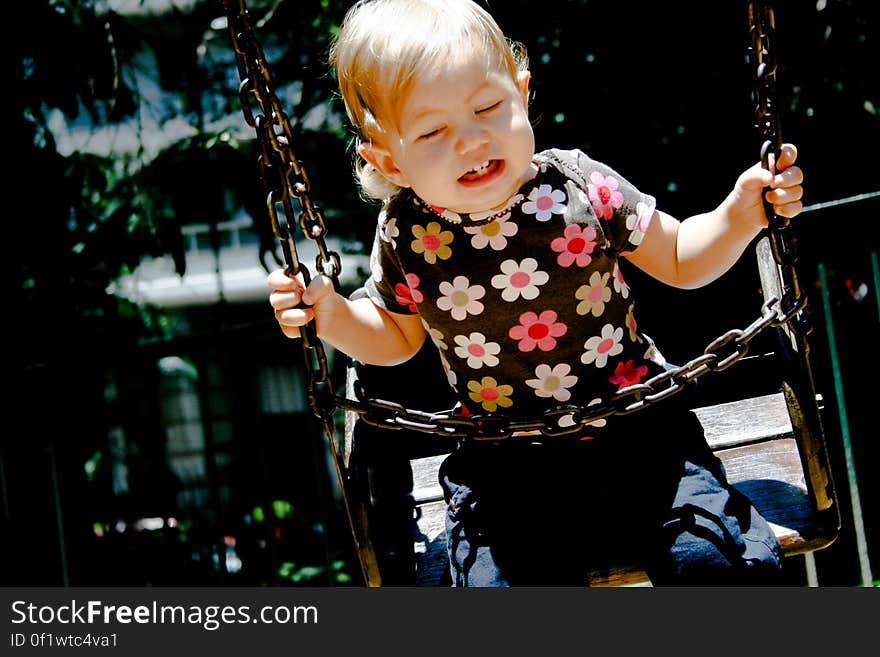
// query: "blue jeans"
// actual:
[[651, 493]]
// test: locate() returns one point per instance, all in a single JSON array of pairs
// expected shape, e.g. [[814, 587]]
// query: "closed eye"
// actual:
[[489, 108], [430, 134]]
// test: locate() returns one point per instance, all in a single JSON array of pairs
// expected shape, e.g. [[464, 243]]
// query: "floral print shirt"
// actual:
[[527, 306]]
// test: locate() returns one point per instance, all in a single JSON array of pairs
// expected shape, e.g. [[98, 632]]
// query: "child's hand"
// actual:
[[286, 295], [785, 181]]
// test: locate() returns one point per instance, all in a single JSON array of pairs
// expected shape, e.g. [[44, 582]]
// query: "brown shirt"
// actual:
[[527, 306]]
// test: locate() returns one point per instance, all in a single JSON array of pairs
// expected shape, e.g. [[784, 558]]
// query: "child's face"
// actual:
[[463, 139]]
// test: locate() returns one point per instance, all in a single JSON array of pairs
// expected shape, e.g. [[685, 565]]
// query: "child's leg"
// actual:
[[708, 532], [471, 556], [515, 516], [650, 491]]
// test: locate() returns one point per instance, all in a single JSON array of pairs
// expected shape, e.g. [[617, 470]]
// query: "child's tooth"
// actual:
[[481, 169]]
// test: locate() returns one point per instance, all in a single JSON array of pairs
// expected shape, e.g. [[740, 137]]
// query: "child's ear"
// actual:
[[381, 158], [522, 81]]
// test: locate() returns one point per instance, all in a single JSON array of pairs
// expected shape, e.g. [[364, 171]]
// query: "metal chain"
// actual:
[[762, 55], [285, 177]]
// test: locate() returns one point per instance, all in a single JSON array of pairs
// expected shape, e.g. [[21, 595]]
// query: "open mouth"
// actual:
[[483, 173]]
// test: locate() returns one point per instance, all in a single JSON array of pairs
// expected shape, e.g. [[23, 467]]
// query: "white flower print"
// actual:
[[520, 279], [596, 423], [553, 382], [620, 285], [388, 230], [600, 347], [638, 223], [568, 420], [653, 355], [594, 295], [376, 271], [493, 234], [476, 350], [544, 202], [461, 298]]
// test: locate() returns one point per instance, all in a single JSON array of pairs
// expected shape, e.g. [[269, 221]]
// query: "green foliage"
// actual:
[[129, 118], [314, 575], [282, 509]]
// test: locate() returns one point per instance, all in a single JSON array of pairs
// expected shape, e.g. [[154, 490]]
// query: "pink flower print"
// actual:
[[538, 331], [461, 298], [553, 382], [476, 350], [544, 202], [520, 279], [600, 347], [408, 295], [575, 246], [451, 376], [603, 194], [493, 234], [620, 285], [627, 373], [631, 324], [489, 394], [431, 241], [594, 295], [638, 223]]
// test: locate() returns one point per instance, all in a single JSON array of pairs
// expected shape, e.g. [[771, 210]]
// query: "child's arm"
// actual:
[[357, 327], [696, 251]]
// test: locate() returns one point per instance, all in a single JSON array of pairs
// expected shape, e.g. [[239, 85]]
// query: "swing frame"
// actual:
[[285, 178]]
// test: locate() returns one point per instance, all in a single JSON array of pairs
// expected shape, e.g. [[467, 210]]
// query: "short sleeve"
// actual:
[[623, 211], [387, 285]]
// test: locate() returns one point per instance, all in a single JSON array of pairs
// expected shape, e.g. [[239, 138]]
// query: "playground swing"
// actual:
[[772, 444]]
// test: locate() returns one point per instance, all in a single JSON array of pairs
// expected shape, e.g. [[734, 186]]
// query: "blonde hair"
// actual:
[[384, 45]]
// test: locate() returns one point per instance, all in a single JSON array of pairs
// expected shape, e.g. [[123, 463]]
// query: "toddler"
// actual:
[[507, 259]]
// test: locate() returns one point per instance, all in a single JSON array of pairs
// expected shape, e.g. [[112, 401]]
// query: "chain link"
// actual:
[[285, 177], [762, 54]]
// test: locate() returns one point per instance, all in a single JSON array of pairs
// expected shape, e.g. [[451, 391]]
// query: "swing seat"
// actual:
[[766, 445]]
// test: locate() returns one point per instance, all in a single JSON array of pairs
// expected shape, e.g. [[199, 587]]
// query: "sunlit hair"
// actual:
[[384, 45]]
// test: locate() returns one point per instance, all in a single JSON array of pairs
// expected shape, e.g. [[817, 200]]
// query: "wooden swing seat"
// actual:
[[762, 441]]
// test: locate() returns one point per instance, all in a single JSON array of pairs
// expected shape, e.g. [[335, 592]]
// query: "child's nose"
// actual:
[[470, 138]]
